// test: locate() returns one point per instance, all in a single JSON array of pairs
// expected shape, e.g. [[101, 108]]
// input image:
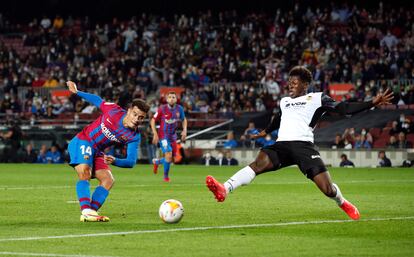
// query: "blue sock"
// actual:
[[160, 161], [84, 194], [99, 197], [166, 169]]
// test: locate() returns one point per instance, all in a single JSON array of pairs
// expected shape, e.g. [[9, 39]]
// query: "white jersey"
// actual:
[[297, 115]]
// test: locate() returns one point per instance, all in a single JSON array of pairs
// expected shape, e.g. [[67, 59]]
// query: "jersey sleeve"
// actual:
[[106, 107], [158, 114], [344, 108], [91, 98], [132, 154], [275, 123]]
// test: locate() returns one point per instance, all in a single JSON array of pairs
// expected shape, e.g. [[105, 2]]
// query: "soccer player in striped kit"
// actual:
[[114, 126], [168, 116]]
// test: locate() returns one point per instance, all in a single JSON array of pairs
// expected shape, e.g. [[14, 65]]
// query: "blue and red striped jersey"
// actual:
[[168, 118], [108, 129]]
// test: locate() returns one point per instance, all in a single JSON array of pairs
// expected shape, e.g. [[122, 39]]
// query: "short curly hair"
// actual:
[[304, 74]]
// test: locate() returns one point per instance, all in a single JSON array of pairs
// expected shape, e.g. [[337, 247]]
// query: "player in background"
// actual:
[[299, 113], [114, 126], [168, 116]]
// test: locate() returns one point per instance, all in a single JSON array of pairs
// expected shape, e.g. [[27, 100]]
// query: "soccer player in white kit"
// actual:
[[299, 113]]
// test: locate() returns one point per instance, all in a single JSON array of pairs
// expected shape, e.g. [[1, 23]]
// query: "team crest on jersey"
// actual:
[[308, 98], [86, 157], [123, 138], [178, 115]]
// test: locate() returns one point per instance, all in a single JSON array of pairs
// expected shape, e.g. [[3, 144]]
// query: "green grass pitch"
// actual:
[[279, 214]]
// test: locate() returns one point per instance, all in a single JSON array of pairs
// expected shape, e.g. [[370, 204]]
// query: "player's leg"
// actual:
[[331, 190], [106, 181], [168, 158], [84, 172], [264, 162], [104, 175], [310, 163], [165, 147], [81, 158]]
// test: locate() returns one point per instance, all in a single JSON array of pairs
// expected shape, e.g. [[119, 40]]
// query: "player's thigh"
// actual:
[[270, 158], [307, 157], [80, 152]]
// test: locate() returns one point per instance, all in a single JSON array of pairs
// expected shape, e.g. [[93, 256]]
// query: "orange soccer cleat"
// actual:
[[350, 210], [216, 188]]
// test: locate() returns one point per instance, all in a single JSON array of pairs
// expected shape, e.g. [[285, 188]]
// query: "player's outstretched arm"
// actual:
[[91, 98], [129, 162], [345, 108]]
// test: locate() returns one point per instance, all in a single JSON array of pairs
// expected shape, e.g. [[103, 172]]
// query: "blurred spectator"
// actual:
[[230, 142], [361, 142], [345, 162], [229, 160], [268, 141], [54, 156], [30, 155], [208, 160], [402, 141], [384, 161], [338, 143], [348, 145], [392, 143], [58, 22], [395, 128], [41, 157]]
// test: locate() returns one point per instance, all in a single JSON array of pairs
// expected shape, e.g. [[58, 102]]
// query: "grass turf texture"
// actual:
[[39, 200]]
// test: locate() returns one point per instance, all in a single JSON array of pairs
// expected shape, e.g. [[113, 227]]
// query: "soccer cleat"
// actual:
[[216, 188], [350, 210], [167, 179], [155, 168], [93, 216]]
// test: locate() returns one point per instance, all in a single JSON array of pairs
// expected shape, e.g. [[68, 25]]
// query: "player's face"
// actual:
[[171, 99], [134, 117], [296, 87]]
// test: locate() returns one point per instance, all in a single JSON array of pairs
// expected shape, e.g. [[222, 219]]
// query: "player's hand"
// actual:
[[383, 98], [261, 134], [155, 139], [109, 159], [183, 136], [72, 87]]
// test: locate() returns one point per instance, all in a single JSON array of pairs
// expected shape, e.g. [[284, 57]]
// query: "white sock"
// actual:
[[243, 177], [87, 211], [339, 199]]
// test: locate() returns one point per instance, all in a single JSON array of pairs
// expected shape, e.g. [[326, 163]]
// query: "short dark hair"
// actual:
[[344, 156], [172, 93], [140, 104], [302, 72]]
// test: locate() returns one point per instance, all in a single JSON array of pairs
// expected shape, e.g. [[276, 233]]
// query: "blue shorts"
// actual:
[[81, 152], [168, 146]]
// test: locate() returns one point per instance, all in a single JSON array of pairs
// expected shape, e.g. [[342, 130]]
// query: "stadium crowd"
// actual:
[[125, 59], [226, 61]]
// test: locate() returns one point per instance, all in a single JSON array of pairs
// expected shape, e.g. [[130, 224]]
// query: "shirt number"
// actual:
[[87, 150]]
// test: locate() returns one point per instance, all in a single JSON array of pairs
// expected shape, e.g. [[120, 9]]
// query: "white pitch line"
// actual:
[[135, 232], [49, 254], [184, 185]]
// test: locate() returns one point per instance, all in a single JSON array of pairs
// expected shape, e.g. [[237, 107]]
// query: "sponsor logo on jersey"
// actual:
[[315, 156], [108, 133], [295, 104], [170, 121]]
